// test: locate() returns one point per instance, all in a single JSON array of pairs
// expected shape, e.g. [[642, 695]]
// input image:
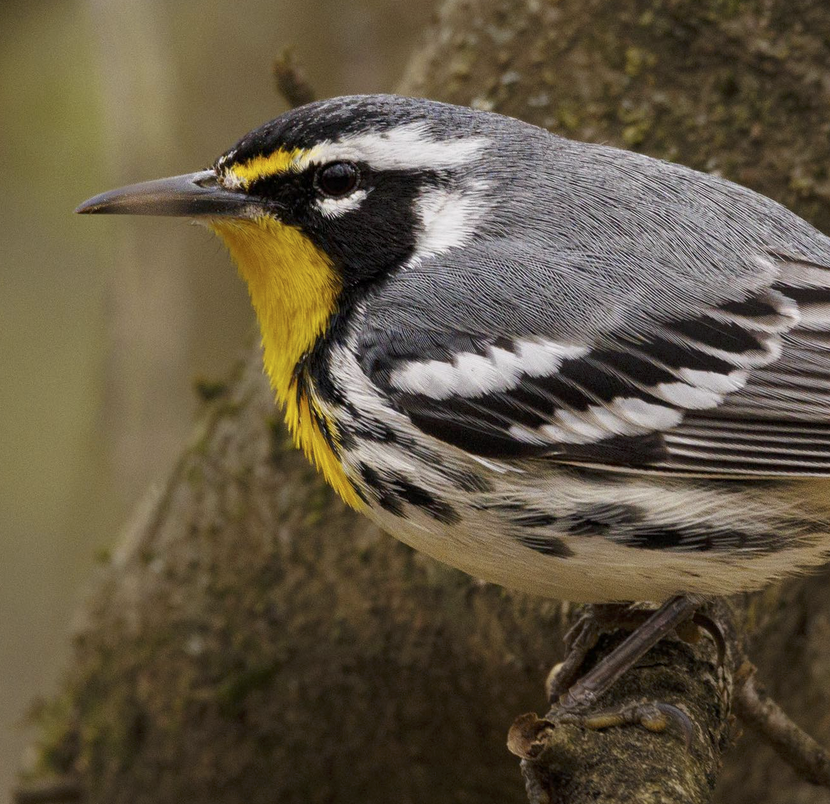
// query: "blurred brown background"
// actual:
[[106, 323]]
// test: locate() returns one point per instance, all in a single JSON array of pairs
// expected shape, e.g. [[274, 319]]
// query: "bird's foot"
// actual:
[[582, 638], [530, 736], [599, 620], [652, 716]]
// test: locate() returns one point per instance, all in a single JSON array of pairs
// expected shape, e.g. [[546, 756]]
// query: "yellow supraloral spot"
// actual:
[[280, 161], [294, 290]]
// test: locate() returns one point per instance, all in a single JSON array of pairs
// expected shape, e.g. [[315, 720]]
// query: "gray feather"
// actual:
[[624, 254]]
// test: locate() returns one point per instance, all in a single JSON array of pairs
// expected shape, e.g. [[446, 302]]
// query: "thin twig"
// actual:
[[291, 82], [754, 706]]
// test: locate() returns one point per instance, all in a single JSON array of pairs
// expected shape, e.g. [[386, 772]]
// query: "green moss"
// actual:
[[57, 742], [567, 117], [208, 390], [233, 691], [637, 60]]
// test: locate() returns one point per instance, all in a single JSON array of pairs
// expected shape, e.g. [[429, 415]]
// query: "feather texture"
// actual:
[[734, 383]]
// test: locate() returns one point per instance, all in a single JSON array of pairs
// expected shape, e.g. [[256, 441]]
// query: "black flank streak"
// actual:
[[535, 520], [467, 481], [522, 518], [347, 438], [588, 527], [385, 497], [547, 546], [368, 429], [628, 525], [602, 520], [425, 500], [522, 515], [371, 478], [660, 539], [389, 502]]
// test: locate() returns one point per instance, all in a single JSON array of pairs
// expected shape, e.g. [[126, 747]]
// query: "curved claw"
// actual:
[[704, 621], [680, 719]]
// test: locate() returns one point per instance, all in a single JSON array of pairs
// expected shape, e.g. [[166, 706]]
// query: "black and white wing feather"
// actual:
[[742, 388], [779, 421]]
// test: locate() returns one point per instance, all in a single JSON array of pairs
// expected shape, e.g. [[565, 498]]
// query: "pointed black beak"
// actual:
[[192, 195]]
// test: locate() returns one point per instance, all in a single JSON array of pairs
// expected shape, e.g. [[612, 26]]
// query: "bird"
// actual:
[[562, 367]]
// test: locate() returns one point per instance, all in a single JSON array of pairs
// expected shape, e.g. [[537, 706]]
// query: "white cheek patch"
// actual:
[[448, 218], [336, 207], [470, 375]]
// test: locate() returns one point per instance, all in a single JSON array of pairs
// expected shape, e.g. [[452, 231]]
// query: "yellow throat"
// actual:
[[294, 290]]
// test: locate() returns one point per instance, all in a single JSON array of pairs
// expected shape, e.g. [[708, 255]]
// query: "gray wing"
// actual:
[[728, 375], [779, 421]]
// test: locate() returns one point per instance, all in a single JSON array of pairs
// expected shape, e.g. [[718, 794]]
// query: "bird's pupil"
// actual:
[[337, 179]]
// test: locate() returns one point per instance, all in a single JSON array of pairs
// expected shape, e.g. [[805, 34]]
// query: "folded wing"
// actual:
[[741, 389]]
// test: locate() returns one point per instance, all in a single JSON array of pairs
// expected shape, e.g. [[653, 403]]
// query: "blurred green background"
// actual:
[[106, 323]]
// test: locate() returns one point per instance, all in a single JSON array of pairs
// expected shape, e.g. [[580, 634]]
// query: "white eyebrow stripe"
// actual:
[[407, 147]]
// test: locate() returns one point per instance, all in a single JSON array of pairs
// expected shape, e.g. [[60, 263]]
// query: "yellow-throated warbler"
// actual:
[[561, 367]]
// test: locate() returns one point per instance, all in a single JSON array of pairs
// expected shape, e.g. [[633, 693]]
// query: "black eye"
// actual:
[[337, 179]]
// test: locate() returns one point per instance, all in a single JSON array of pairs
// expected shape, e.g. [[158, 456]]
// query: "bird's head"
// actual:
[[326, 199], [359, 184], [320, 203]]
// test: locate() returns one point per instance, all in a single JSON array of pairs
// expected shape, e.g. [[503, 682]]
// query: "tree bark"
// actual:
[[254, 640]]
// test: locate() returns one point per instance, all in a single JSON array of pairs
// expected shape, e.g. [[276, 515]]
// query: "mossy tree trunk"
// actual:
[[254, 640]]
